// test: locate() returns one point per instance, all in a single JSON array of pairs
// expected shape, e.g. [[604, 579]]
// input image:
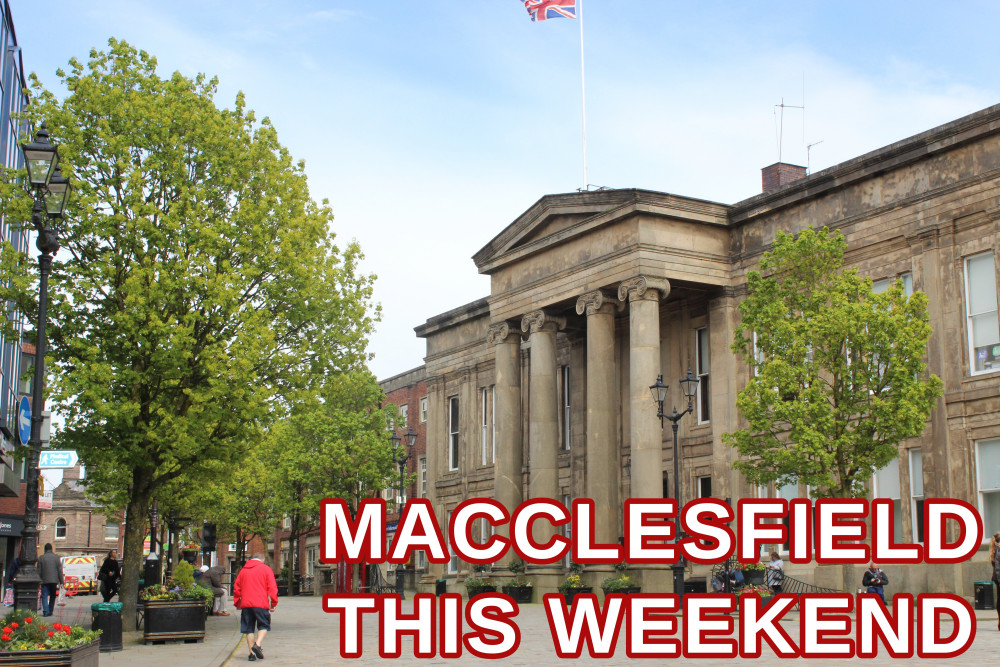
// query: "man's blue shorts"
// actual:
[[253, 619]]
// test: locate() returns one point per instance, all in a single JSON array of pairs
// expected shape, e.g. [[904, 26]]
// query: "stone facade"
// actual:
[[594, 294]]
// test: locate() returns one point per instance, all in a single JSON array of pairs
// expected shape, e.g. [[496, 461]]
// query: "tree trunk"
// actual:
[[135, 530]]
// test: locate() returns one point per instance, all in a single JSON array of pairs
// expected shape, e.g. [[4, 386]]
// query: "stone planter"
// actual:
[[479, 590], [754, 577], [174, 620], [87, 655], [573, 592], [520, 594], [282, 585]]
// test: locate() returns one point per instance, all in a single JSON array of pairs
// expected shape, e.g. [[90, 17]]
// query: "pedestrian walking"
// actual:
[[875, 580], [995, 563], [775, 573], [255, 594], [51, 573], [110, 576]]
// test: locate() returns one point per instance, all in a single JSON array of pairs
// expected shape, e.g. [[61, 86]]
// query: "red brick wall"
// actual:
[[410, 396], [779, 174]]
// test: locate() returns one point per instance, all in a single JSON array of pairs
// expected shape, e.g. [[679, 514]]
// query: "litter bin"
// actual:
[[107, 617], [400, 584], [984, 594], [441, 587]]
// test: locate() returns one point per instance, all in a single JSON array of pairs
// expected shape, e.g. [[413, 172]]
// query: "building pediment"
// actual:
[[555, 219]]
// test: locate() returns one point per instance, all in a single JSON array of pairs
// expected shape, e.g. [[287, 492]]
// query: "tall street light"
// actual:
[[400, 456], [689, 386], [50, 190]]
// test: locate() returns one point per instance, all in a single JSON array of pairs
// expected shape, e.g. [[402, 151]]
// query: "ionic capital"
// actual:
[[541, 320], [500, 333], [598, 301], [643, 288]]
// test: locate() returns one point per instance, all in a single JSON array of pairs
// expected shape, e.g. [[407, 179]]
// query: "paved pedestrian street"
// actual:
[[302, 634]]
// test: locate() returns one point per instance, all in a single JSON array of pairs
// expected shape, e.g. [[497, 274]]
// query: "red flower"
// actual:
[[68, 630], [14, 625], [6, 630], [57, 625], [51, 634], [28, 619]]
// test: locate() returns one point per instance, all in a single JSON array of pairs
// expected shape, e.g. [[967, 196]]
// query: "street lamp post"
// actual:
[[50, 191], [400, 456], [689, 385]]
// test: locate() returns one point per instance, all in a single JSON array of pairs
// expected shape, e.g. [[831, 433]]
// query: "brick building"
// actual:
[[541, 389], [76, 525]]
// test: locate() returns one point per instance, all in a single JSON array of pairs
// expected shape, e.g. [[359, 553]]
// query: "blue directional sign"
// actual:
[[24, 420], [54, 458]]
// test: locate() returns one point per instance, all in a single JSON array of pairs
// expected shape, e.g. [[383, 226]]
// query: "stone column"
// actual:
[[543, 411], [509, 461], [603, 462], [645, 433]]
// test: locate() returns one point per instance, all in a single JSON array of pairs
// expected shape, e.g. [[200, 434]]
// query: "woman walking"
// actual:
[[109, 575]]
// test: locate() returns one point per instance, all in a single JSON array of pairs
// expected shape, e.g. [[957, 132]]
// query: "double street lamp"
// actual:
[[689, 387], [50, 191]]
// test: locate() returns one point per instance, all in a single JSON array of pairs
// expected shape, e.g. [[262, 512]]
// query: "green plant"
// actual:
[[571, 583], [621, 567], [184, 573], [622, 581], [23, 630], [517, 567], [750, 566], [759, 590]]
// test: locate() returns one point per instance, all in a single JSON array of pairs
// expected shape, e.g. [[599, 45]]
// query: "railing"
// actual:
[[720, 573]]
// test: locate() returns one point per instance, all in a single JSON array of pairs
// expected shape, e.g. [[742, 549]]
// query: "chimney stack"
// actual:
[[780, 174]]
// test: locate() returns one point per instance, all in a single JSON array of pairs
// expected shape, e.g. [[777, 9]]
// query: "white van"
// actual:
[[84, 569]]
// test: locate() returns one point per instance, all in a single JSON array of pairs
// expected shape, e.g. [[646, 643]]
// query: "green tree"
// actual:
[[838, 372], [333, 446], [199, 282]]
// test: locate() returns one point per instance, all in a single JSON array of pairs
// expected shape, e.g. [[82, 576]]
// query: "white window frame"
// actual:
[[117, 535], [980, 493], [422, 467], [703, 373], [916, 473], [487, 444], [453, 561], [65, 528], [404, 415], [423, 410], [897, 500], [453, 432], [567, 412], [698, 485], [969, 315]]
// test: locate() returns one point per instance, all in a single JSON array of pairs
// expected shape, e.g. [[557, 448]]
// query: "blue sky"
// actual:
[[431, 125]]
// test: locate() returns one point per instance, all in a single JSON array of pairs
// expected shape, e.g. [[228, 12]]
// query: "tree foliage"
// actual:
[[198, 285], [838, 373]]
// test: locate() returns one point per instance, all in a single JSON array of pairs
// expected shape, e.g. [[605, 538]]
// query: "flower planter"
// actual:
[[174, 620], [190, 555], [573, 592], [87, 655], [479, 590], [627, 590], [753, 577], [520, 594]]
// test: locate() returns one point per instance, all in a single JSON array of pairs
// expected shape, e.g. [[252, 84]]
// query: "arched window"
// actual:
[[60, 529]]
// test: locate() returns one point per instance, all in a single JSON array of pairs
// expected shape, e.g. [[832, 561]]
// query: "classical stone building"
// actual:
[[76, 525], [542, 388]]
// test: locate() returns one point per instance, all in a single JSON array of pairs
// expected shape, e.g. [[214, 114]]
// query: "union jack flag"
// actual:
[[550, 9]]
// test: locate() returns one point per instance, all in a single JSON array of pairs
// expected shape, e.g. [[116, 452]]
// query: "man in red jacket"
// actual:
[[255, 594]]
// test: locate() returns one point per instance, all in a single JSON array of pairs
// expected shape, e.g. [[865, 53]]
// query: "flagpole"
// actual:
[[583, 91]]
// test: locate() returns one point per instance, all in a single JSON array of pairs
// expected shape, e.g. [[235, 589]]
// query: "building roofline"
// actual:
[[454, 317], [946, 137], [404, 379]]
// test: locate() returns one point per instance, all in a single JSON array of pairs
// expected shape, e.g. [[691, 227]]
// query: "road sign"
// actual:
[[58, 459], [24, 420]]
